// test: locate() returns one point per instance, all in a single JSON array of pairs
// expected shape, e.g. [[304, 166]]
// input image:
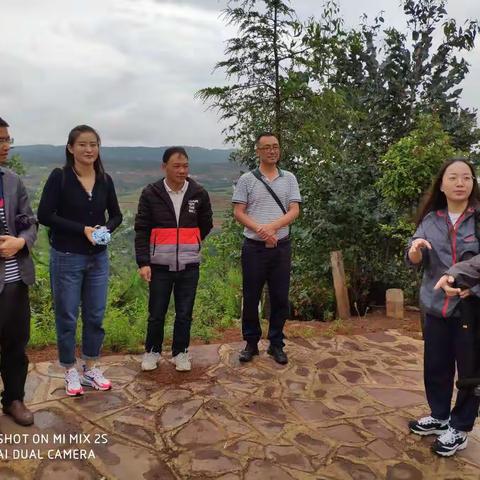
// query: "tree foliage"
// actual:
[[339, 99]]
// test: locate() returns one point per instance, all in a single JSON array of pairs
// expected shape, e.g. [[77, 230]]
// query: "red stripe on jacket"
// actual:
[[168, 236]]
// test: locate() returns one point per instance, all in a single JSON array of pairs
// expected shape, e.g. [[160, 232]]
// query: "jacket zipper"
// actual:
[[453, 247], [154, 243]]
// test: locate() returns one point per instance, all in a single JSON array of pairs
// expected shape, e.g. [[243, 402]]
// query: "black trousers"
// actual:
[[14, 336], [451, 342], [184, 286], [271, 265]]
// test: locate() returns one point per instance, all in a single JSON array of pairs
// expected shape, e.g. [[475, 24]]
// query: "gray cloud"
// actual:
[[131, 67]]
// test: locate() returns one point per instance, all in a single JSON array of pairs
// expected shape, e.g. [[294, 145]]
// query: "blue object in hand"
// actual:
[[101, 236]]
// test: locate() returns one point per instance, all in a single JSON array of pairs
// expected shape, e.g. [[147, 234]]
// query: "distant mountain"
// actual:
[[114, 157]]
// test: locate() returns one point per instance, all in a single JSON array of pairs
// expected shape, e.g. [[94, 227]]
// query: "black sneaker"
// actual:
[[428, 426], [247, 354], [278, 354], [451, 441]]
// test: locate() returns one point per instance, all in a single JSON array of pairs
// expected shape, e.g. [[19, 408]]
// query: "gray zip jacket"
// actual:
[[450, 244], [17, 206]]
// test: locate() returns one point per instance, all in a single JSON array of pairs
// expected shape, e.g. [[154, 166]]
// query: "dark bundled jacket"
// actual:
[[450, 244], [158, 238], [20, 222], [67, 209]]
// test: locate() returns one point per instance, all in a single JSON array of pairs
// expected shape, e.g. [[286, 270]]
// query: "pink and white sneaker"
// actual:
[[93, 377], [73, 388]]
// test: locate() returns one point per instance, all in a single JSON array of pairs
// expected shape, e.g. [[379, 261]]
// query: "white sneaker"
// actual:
[[182, 362], [94, 377], [150, 361], [73, 388]]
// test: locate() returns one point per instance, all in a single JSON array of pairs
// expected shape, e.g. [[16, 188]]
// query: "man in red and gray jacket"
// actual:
[[174, 216]]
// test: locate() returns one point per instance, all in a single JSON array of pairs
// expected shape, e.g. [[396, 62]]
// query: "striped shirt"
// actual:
[[12, 272], [261, 206]]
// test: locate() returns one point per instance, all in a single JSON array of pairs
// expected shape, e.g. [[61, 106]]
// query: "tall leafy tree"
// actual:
[[260, 64]]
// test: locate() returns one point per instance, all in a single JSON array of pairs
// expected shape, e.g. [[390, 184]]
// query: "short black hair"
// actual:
[[264, 134], [172, 151], [3, 123]]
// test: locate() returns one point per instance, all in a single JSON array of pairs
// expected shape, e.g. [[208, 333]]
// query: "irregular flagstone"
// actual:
[[62, 470], [343, 433], [123, 461], [289, 456], [356, 471], [265, 470], [164, 397], [380, 377], [204, 355], [313, 444], [472, 453], [356, 454], [247, 449], [339, 410], [383, 450], [205, 462], [199, 432], [96, 405], [314, 410], [54, 428], [403, 471], [377, 428], [7, 473], [136, 423], [221, 415], [395, 397], [141, 389], [176, 414], [265, 408]]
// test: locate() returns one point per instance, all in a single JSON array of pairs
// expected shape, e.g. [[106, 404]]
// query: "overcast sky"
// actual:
[[130, 68]]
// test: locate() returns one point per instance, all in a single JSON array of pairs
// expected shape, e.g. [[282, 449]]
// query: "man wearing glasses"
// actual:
[[266, 201], [18, 232]]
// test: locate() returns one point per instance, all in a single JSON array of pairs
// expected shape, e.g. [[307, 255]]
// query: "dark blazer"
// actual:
[[17, 206]]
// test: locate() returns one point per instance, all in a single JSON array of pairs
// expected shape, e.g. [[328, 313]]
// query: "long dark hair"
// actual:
[[435, 199], [72, 138]]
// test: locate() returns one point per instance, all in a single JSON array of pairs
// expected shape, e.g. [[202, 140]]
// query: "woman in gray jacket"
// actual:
[[445, 235]]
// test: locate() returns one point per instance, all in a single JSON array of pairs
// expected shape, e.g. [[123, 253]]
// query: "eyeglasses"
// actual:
[[267, 148], [7, 140]]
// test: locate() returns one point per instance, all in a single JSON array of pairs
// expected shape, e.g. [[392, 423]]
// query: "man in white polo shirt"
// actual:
[[266, 201]]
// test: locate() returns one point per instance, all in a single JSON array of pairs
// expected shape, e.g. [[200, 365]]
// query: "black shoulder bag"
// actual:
[[258, 176]]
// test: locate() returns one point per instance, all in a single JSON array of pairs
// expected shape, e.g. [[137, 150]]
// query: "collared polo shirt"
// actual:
[[176, 197], [261, 206]]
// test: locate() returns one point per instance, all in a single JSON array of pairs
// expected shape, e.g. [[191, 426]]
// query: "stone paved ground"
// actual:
[[338, 410]]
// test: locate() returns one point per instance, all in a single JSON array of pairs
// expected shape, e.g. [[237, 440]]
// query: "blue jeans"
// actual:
[[184, 286], [75, 279]]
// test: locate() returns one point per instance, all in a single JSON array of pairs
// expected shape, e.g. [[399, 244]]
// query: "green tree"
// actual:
[[15, 163], [260, 64]]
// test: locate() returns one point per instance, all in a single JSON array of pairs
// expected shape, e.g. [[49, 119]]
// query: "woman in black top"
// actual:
[[73, 205]]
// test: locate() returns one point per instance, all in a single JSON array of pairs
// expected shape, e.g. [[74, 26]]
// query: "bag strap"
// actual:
[[256, 173]]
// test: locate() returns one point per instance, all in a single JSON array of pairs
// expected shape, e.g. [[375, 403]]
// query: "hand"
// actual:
[[145, 273], [418, 244], [446, 283], [271, 242], [465, 293], [266, 231], [10, 246], [88, 233]]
